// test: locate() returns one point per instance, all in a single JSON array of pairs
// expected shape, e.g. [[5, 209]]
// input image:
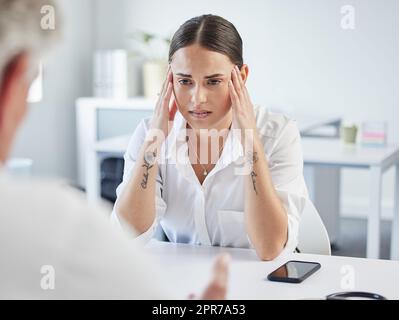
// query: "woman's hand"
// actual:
[[166, 108], [243, 111]]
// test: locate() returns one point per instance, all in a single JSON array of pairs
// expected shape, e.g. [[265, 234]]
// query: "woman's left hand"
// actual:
[[243, 110]]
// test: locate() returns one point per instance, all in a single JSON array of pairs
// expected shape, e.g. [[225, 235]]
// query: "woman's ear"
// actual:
[[244, 72]]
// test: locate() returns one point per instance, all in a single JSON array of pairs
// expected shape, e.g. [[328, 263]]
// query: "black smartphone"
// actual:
[[294, 271]]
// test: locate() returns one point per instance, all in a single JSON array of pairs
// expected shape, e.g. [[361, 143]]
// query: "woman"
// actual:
[[246, 190]]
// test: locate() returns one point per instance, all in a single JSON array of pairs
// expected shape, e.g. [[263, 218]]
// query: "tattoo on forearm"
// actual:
[[253, 158], [149, 158], [253, 177]]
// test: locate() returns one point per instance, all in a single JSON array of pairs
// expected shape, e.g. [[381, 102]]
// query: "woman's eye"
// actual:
[[214, 82], [184, 81]]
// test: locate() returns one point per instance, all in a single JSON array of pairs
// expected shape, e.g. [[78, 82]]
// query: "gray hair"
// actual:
[[22, 31]]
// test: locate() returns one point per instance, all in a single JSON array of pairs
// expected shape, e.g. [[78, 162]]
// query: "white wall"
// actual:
[[48, 134], [110, 24]]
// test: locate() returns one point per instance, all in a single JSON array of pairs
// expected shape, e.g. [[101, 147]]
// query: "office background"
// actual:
[[301, 60]]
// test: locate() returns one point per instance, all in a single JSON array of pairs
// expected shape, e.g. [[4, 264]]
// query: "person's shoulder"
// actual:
[[37, 207], [272, 124], [47, 200], [52, 222]]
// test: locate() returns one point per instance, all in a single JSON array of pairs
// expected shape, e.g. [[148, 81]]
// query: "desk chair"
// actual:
[[313, 237]]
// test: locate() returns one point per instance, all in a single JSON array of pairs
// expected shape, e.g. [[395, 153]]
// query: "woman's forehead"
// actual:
[[198, 60]]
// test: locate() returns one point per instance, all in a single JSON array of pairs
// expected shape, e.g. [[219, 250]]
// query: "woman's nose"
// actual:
[[199, 95]]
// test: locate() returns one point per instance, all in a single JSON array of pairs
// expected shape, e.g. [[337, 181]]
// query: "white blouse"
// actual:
[[213, 213]]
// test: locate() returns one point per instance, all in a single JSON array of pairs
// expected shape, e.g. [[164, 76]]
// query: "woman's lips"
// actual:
[[200, 114]]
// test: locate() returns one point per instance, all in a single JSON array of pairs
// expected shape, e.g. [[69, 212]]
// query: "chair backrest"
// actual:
[[313, 237]]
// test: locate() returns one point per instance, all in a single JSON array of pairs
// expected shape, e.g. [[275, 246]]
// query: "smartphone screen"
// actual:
[[294, 271]]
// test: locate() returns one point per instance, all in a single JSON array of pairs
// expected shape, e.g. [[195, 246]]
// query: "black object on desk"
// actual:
[[350, 295], [294, 271]]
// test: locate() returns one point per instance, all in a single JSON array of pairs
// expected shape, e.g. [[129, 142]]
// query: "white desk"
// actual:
[[331, 153], [189, 268]]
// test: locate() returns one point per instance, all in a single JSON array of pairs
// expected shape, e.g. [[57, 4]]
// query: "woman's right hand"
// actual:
[[166, 108]]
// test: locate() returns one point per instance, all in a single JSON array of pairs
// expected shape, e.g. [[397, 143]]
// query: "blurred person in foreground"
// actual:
[[46, 227]]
